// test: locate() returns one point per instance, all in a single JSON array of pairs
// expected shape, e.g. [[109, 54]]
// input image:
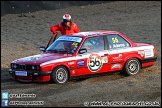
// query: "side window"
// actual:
[[116, 41], [93, 44]]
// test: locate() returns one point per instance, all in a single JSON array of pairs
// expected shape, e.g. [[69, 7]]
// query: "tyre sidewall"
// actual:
[[127, 71], [55, 72]]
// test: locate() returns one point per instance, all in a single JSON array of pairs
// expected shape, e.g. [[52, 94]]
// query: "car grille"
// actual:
[[22, 66]]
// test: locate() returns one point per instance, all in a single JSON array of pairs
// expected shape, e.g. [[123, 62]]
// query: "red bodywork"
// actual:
[[77, 64]]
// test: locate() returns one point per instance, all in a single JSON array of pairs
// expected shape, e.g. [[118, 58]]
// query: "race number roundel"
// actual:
[[94, 62]]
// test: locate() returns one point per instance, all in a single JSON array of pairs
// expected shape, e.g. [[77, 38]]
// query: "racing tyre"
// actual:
[[59, 75], [132, 67]]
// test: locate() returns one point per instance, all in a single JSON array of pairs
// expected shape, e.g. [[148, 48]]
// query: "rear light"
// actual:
[[154, 51]]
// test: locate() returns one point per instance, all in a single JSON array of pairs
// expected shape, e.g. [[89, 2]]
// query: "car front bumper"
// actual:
[[31, 76]]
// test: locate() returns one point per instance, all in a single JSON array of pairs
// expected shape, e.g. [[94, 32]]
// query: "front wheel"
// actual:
[[132, 67], [59, 75]]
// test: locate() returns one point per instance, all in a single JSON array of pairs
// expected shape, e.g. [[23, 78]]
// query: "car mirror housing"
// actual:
[[83, 50], [42, 48]]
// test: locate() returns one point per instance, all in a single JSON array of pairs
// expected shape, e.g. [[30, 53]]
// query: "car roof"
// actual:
[[93, 33]]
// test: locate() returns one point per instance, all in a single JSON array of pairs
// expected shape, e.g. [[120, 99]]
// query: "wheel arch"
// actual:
[[63, 66], [131, 57], [124, 69]]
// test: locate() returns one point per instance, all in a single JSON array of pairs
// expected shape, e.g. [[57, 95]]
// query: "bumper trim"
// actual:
[[32, 73], [152, 59]]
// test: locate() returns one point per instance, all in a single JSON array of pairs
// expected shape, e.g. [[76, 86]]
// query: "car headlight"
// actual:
[[34, 67], [14, 66]]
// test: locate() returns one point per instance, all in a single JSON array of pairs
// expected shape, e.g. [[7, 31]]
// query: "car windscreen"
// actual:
[[64, 44]]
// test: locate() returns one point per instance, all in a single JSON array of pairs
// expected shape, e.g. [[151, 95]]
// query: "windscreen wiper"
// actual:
[[54, 51]]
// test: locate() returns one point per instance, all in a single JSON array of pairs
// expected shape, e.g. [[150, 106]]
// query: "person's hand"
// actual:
[[55, 32]]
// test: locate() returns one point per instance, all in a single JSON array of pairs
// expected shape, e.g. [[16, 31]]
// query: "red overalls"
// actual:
[[59, 27]]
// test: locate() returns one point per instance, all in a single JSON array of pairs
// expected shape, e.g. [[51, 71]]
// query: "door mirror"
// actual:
[[42, 48], [83, 50]]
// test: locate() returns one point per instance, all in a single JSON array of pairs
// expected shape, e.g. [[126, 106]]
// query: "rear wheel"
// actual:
[[59, 75], [132, 67]]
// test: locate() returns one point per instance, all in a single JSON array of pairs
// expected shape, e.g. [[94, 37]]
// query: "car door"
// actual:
[[94, 60], [116, 47]]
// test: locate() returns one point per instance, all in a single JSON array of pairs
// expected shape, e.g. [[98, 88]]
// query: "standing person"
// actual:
[[66, 26]]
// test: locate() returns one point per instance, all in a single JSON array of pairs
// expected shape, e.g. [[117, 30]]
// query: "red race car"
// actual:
[[83, 54]]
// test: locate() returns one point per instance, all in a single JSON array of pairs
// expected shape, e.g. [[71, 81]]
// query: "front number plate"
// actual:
[[21, 73]]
